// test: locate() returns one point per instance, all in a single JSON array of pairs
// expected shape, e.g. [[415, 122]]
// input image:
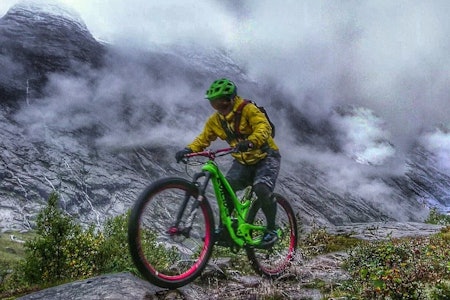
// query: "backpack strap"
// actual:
[[235, 133], [230, 134], [237, 118]]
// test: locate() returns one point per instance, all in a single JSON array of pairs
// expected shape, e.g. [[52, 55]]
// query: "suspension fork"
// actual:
[[202, 188], [201, 195]]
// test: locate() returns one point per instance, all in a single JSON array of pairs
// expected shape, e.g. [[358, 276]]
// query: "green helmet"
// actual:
[[220, 88]]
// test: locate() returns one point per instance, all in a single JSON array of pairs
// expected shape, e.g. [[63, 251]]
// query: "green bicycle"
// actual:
[[171, 231]]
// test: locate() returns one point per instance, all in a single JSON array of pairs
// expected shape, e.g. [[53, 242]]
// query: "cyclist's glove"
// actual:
[[180, 154], [244, 146]]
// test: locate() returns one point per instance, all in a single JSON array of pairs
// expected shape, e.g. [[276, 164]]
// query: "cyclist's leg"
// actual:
[[268, 204], [264, 183], [239, 177]]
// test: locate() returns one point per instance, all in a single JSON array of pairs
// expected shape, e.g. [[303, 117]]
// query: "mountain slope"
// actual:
[[99, 122]]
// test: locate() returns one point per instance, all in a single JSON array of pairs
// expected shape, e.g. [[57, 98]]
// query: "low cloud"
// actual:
[[121, 105]]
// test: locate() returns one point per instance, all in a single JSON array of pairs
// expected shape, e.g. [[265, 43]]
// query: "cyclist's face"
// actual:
[[223, 105]]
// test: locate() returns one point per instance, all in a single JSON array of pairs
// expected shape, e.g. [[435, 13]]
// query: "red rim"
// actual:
[[287, 260], [289, 256], [195, 266]]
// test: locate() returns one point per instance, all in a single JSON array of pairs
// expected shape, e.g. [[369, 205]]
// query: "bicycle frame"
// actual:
[[210, 170]]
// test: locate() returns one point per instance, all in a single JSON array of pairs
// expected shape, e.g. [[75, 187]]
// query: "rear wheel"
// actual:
[[273, 261], [167, 253]]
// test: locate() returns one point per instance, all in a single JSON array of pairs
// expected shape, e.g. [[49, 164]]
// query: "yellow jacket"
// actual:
[[253, 124]]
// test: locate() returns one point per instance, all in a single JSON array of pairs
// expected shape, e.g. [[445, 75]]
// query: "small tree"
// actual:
[[61, 250], [44, 254], [114, 253]]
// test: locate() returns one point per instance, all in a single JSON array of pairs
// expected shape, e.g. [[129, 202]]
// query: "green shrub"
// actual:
[[440, 291], [437, 218], [398, 268], [319, 241], [114, 253], [62, 250]]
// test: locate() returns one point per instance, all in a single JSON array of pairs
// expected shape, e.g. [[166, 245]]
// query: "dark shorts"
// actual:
[[266, 171]]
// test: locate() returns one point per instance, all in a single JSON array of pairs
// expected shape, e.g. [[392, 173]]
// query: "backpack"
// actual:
[[237, 120]]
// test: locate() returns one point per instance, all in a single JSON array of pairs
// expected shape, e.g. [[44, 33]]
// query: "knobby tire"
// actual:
[[168, 256], [274, 261]]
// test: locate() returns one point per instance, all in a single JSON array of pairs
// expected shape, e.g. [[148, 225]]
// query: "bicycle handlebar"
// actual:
[[212, 154]]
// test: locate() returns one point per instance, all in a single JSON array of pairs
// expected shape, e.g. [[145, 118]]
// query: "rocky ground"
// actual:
[[297, 284], [210, 286]]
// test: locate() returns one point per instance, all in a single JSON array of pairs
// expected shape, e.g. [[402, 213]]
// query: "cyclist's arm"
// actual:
[[204, 139], [261, 127]]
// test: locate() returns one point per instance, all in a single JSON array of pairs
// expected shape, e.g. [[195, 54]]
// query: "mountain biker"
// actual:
[[258, 161]]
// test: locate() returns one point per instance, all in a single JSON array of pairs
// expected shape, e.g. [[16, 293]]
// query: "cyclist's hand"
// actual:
[[180, 154], [244, 146]]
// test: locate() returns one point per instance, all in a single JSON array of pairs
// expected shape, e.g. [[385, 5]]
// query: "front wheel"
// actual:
[[272, 262], [170, 233]]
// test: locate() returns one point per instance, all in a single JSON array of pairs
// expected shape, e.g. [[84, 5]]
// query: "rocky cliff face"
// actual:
[[97, 123], [37, 39]]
